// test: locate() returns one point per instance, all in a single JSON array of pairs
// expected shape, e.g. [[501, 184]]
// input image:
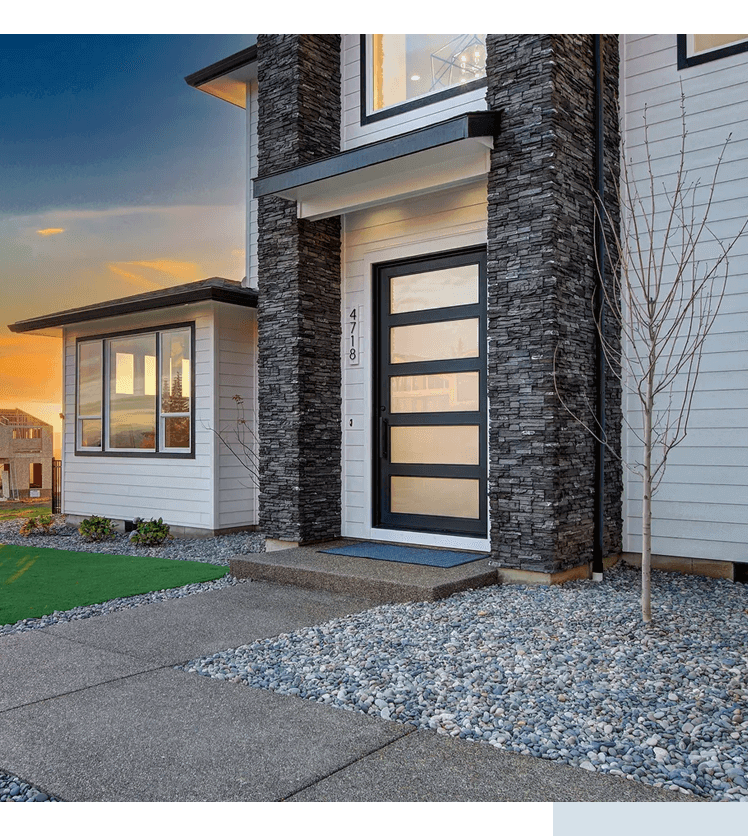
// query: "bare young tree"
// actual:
[[241, 442], [667, 279]]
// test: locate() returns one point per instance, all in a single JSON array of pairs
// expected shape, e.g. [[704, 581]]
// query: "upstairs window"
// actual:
[[134, 393], [27, 432], [402, 72], [698, 49]]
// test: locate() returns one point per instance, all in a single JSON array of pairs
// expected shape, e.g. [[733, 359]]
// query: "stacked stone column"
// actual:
[[541, 278], [299, 321]]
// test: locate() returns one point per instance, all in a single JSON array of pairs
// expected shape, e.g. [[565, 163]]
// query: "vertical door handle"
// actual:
[[383, 437]]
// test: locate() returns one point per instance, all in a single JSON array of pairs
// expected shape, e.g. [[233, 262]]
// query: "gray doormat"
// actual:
[[407, 554]]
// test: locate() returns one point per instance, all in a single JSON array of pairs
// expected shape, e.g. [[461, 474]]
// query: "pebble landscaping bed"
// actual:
[[567, 673], [14, 789], [216, 550]]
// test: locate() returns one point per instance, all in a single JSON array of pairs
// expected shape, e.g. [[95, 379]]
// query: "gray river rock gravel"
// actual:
[[567, 673]]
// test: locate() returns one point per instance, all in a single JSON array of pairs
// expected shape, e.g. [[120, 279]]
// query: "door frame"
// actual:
[[430, 525]]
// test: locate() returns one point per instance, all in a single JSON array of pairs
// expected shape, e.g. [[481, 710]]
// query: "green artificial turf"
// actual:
[[36, 581]]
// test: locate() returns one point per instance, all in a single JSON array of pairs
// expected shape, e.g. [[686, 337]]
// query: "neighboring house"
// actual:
[[420, 240], [25, 456]]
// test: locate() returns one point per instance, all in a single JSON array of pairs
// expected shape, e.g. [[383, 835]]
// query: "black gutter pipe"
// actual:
[[600, 256]]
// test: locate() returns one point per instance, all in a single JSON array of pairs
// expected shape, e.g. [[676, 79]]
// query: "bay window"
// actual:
[[134, 393], [406, 71]]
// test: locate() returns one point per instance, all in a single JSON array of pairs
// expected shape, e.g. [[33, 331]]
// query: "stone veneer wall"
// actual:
[[299, 320], [541, 277]]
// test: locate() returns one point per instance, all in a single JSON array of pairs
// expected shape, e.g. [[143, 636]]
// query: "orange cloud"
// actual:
[[141, 282], [186, 270], [50, 231], [140, 273]]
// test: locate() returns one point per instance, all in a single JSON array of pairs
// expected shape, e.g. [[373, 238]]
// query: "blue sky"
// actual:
[[116, 178]]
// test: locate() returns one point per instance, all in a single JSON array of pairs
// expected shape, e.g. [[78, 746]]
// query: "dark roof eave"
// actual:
[[169, 298], [223, 67]]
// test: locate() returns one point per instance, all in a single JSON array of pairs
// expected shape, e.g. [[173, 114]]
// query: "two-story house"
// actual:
[[421, 240], [25, 456]]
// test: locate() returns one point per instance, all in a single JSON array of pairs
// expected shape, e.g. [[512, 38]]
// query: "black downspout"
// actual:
[[600, 256]]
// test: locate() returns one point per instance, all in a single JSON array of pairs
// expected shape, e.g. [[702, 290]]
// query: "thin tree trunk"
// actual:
[[647, 503]]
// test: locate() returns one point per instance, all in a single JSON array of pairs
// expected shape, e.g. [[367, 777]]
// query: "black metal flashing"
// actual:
[[223, 67], [466, 126], [214, 289]]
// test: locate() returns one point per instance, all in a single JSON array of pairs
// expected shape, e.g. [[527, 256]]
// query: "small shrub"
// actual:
[[97, 528], [44, 521], [28, 527], [33, 524], [151, 533]]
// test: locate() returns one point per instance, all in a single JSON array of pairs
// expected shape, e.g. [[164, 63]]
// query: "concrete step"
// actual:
[[380, 581]]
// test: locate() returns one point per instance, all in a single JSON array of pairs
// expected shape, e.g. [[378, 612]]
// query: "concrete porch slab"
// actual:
[[381, 581]]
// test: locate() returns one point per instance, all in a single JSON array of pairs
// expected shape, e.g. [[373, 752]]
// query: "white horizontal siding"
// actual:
[[700, 507], [236, 374], [179, 490], [448, 220], [355, 134]]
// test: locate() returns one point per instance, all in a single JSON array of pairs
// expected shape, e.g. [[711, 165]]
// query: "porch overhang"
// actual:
[[421, 161]]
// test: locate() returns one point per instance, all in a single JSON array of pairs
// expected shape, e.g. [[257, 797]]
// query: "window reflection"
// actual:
[[456, 392], [455, 339], [140, 373], [435, 289], [132, 395], [405, 67]]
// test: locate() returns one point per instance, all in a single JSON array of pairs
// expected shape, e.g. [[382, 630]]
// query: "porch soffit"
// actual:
[[426, 160], [228, 78]]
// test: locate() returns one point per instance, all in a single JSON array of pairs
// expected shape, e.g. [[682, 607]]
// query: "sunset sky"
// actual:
[[115, 178]]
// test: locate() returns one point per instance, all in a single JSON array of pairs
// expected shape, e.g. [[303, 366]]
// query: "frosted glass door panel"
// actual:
[[435, 445], [436, 289], [435, 497], [452, 340], [455, 392]]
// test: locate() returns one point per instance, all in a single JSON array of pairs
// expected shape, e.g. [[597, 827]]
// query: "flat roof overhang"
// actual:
[[421, 161], [227, 79], [215, 289]]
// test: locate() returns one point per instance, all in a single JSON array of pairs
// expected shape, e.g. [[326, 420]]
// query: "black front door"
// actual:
[[430, 422]]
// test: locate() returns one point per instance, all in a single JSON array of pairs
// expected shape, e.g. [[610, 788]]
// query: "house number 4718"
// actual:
[[352, 349]]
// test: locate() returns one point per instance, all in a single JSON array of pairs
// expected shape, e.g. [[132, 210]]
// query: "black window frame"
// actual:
[[412, 104], [156, 453], [685, 60]]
